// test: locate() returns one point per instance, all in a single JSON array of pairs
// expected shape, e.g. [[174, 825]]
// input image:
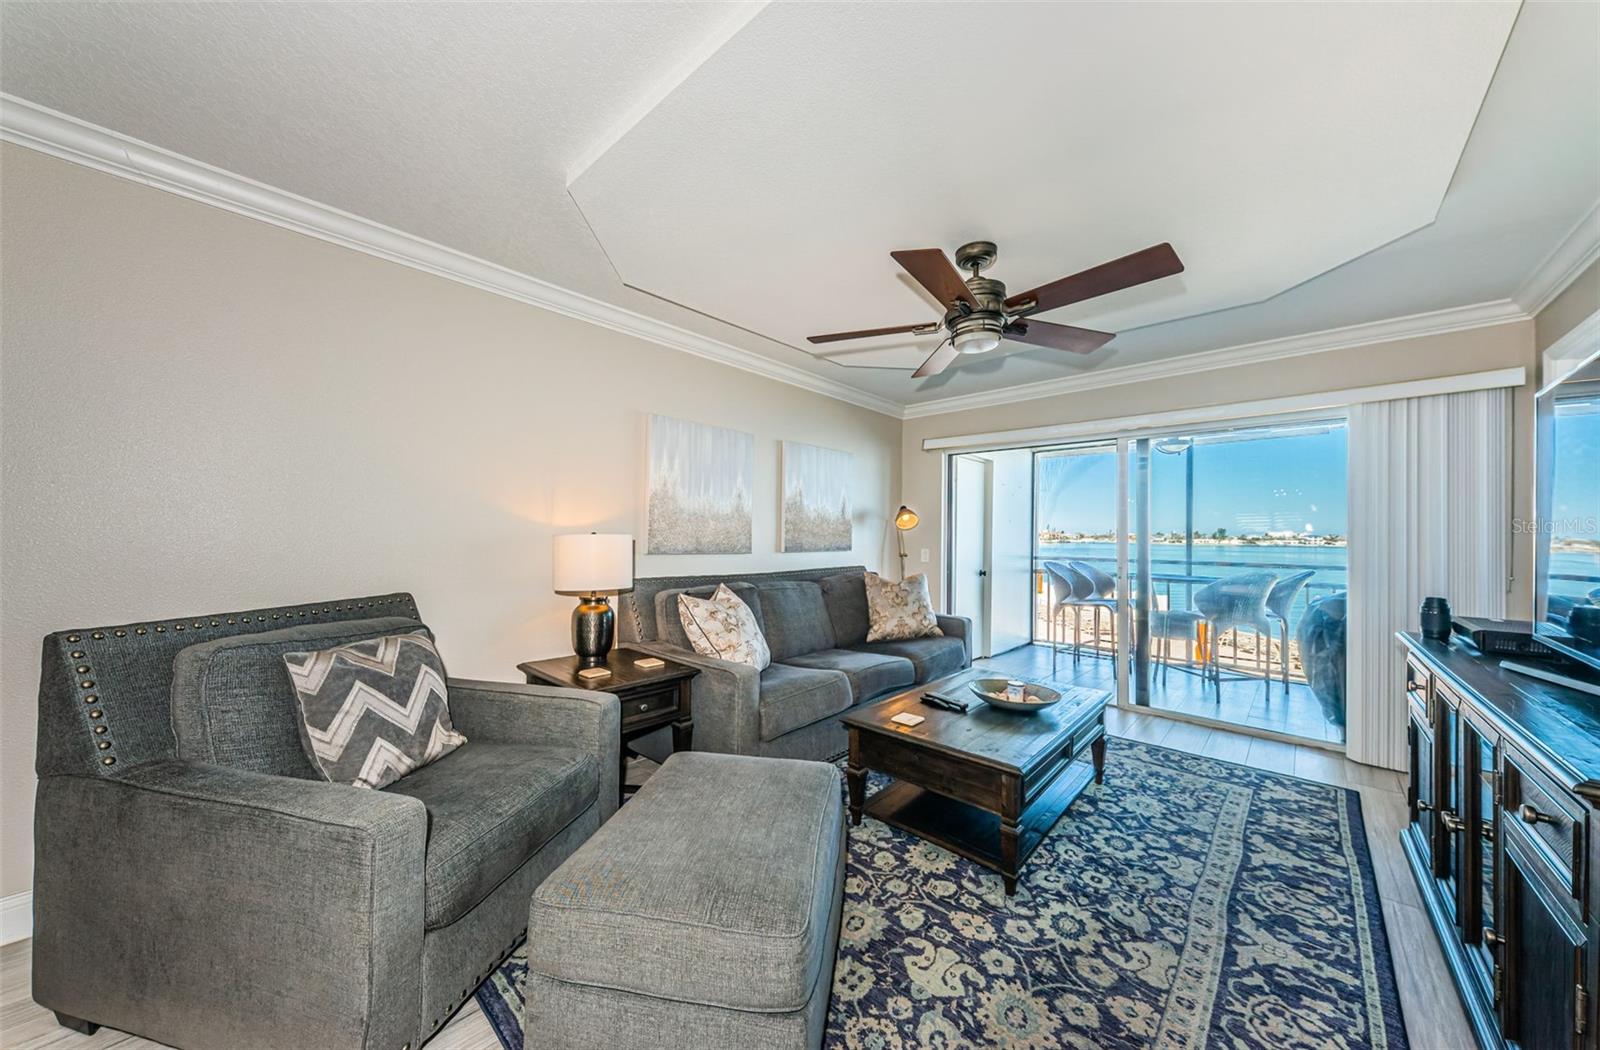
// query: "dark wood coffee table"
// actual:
[[988, 784]]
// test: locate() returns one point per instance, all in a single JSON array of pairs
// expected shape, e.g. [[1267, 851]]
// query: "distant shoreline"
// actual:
[[1203, 541]]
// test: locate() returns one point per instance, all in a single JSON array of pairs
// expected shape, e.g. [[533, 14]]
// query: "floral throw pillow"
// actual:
[[898, 610], [722, 626]]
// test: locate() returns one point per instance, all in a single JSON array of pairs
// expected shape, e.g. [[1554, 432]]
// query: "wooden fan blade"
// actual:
[[1138, 268], [934, 271], [938, 362], [867, 333], [1058, 336]]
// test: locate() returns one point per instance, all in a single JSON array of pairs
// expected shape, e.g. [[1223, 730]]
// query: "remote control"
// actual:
[[944, 703]]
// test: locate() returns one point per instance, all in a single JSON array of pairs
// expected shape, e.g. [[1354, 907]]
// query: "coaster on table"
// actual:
[[590, 674], [905, 718], [649, 663]]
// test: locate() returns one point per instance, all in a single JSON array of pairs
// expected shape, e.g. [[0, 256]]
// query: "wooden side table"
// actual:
[[650, 697]]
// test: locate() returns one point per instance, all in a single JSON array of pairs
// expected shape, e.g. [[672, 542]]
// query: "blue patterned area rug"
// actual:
[[1186, 903]]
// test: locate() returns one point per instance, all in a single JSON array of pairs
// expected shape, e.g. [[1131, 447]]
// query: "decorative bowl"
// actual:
[[993, 692]]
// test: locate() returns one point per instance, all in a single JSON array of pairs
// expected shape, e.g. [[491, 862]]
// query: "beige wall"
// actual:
[[1576, 302], [1452, 354], [202, 412]]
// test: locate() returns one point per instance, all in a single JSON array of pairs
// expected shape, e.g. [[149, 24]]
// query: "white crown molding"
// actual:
[[38, 128], [16, 917], [1576, 253], [1570, 351], [1437, 322]]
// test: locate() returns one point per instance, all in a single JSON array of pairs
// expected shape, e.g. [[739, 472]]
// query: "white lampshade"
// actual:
[[593, 563]]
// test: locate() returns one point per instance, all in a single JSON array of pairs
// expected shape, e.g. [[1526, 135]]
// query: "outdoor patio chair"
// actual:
[[1103, 596], [1279, 601], [1234, 603], [1065, 588], [1174, 625]]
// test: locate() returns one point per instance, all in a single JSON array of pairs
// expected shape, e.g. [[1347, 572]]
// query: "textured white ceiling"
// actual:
[[1268, 143], [463, 123]]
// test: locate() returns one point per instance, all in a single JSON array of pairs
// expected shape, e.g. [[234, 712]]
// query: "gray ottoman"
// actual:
[[704, 914]]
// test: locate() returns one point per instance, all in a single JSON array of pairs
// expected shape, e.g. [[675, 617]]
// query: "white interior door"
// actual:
[[969, 563]]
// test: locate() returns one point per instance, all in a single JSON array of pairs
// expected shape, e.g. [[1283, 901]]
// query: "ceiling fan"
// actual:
[[978, 314]]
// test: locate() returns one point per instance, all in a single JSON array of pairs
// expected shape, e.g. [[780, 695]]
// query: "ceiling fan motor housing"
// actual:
[[977, 330]]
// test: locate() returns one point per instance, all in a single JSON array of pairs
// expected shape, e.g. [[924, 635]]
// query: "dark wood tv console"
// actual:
[[1502, 839]]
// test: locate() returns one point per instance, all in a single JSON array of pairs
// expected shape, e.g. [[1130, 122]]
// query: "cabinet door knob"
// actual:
[[1530, 815], [1451, 822], [1492, 939], [1423, 805]]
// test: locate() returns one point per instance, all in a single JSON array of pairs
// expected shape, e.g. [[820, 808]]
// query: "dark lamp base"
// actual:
[[594, 628]]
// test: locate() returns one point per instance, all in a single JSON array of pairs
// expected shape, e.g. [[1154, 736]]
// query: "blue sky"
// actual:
[[1246, 487], [1576, 493]]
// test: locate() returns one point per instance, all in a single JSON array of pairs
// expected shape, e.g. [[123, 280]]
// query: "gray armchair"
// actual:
[[194, 886]]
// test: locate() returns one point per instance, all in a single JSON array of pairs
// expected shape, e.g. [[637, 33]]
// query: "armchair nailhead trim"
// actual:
[[92, 700]]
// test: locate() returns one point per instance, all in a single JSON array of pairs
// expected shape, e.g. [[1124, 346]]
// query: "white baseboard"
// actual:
[[16, 917]]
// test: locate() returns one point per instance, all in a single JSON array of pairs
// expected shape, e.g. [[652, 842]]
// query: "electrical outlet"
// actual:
[[924, 556]]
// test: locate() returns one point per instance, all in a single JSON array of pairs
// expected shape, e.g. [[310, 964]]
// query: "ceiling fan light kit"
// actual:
[[978, 315]]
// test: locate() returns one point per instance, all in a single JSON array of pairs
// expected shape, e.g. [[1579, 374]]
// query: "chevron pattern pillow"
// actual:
[[373, 711]]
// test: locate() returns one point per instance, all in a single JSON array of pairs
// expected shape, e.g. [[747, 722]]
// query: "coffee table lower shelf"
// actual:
[[970, 831]]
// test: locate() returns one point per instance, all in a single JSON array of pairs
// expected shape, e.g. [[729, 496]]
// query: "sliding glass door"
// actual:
[[1075, 548], [1199, 572], [1237, 536]]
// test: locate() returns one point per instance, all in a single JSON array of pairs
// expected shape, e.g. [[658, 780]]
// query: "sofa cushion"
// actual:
[[715, 885], [870, 673], [794, 697], [374, 710], [723, 627], [490, 807], [232, 703], [846, 598], [900, 609], [932, 657], [794, 617], [669, 627]]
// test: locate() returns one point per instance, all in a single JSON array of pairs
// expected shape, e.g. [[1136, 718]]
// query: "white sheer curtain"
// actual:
[[1430, 513]]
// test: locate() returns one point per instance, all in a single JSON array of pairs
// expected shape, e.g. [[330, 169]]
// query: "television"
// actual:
[[1567, 544]]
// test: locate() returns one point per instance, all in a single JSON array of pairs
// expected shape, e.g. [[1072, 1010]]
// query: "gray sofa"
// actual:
[[193, 885], [815, 622]]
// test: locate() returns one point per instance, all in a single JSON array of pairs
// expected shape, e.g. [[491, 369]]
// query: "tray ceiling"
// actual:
[[750, 168], [1268, 143]]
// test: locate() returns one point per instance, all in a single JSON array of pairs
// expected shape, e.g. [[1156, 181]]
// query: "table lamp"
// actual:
[[905, 519], [591, 566]]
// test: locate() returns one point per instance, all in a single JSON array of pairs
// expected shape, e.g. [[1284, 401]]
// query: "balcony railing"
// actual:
[[1240, 651]]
